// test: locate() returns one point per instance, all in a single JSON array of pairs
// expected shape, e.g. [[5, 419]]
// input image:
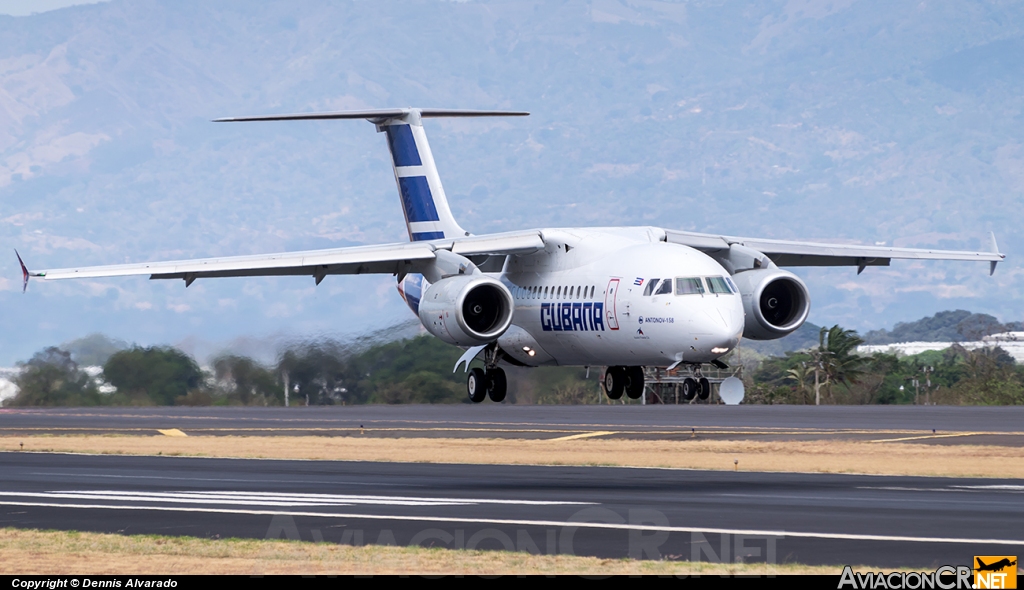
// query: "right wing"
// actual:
[[800, 253], [399, 258]]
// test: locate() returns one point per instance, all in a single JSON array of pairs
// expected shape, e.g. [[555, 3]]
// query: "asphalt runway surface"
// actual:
[[826, 519], [915, 424]]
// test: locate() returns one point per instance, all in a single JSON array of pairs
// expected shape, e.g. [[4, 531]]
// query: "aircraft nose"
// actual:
[[727, 331]]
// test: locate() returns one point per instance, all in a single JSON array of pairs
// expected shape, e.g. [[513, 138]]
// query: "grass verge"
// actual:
[[794, 456], [58, 552]]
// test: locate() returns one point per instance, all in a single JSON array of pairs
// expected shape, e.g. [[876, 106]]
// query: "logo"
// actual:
[[638, 281], [995, 571], [572, 317], [990, 571], [946, 577]]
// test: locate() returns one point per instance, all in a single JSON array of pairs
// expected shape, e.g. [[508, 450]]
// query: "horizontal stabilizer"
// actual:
[[376, 115]]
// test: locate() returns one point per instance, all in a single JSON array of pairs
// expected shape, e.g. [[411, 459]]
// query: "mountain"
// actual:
[[945, 326], [858, 121]]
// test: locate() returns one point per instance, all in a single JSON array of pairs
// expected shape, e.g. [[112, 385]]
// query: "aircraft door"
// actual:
[[609, 304]]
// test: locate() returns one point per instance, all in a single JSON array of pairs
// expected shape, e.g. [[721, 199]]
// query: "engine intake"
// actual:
[[775, 302], [467, 310]]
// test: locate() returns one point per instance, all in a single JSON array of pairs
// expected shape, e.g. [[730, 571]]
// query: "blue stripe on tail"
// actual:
[[403, 146], [427, 235], [417, 200]]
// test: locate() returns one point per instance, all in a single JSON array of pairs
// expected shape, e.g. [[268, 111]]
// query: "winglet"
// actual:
[[24, 272], [995, 249]]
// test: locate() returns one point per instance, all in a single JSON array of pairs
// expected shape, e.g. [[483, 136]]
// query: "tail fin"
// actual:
[[427, 215]]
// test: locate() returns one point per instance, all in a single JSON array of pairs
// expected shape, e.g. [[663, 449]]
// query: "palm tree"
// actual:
[[800, 373], [836, 360]]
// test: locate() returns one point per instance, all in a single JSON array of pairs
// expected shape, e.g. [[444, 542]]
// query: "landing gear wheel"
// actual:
[[689, 388], [634, 382], [614, 382], [476, 385], [497, 385], [705, 388]]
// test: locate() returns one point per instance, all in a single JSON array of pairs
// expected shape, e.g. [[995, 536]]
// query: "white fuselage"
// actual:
[[582, 301]]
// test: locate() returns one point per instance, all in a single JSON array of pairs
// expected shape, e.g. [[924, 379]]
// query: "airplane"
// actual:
[[994, 567], [620, 297]]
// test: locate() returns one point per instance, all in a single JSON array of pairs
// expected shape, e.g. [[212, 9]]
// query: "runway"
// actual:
[[609, 512], [917, 424]]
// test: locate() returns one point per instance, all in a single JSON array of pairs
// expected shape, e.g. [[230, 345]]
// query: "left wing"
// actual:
[[792, 253], [399, 258]]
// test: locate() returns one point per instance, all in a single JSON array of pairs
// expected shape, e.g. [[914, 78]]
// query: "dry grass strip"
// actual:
[[55, 553], [793, 456]]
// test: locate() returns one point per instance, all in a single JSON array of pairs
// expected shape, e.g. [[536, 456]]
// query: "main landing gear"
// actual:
[[487, 383], [490, 383], [628, 380]]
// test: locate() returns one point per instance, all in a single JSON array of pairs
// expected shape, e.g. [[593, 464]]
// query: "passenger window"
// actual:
[[718, 285], [665, 288], [689, 286], [650, 287]]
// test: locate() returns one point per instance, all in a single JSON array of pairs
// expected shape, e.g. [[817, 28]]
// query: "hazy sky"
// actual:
[[860, 122], [27, 7]]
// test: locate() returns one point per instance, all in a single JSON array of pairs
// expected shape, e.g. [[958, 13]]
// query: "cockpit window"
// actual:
[[689, 286], [732, 285], [665, 288], [651, 283], [718, 285]]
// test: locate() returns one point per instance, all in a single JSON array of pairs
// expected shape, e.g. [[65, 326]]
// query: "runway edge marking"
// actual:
[[548, 523], [543, 465]]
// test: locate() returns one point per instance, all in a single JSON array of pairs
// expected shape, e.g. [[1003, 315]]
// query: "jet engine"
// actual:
[[467, 310], [775, 302]]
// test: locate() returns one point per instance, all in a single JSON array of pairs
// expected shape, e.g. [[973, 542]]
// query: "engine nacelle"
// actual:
[[775, 302], [467, 310]]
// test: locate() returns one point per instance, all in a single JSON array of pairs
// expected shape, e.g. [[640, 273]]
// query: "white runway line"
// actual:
[[275, 499], [172, 478], [959, 489], [544, 523], [998, 488]]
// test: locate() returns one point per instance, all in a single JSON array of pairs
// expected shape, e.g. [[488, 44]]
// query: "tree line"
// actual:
[[419, 370], [832, 372], [324, 372]]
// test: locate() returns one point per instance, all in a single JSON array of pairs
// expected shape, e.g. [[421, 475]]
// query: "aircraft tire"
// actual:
[[689, 389], [476, 385], [614, 382], [705, 388], [497, 384], [634, 382]]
